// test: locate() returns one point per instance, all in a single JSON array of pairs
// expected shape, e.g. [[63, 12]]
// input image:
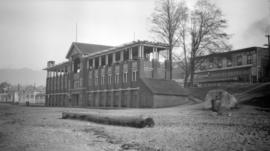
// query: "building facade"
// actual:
[[247, 65], [131, 75]]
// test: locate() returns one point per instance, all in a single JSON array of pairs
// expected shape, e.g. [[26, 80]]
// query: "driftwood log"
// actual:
[[132, 121]]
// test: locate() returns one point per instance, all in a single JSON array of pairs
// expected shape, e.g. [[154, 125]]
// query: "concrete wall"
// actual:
[[168, 100], [145, 96]]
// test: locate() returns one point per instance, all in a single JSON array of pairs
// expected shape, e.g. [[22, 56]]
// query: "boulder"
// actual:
[[219, 99]]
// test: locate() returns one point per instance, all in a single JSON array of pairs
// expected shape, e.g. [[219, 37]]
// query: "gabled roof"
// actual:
[[164, 87], [86, 49], [130, 44]]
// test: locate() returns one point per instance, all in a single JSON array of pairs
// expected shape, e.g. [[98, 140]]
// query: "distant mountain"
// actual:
[[24, 76]]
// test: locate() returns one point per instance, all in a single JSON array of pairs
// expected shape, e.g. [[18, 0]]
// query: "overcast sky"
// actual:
[[35, 31]]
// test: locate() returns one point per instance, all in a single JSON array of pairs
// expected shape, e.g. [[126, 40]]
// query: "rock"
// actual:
[[219, 100]]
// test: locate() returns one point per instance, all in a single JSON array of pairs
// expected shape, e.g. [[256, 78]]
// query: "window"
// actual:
[[102, 80], [249, 59], [229, 62], [76, 65], [89, 79], [109, 79], [96, 81], [239, 60], [90, 75], [135, 52], [96, 63], [81, 82], [210, 62], [148, 53], [103, 60], [202, 67], [125, 77], [117, 78], [76, 83], [117, 56], [134, 75], [90, 64], [219, 64], [110, 59], [126, 55]]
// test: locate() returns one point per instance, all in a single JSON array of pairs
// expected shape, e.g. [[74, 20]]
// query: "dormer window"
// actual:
[[90, 64], [77, 65], [239, 60], [135, 52]]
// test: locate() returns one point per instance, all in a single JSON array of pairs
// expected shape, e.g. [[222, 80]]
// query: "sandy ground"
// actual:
[[187, 127]]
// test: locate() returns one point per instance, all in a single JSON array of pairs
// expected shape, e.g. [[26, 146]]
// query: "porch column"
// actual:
[[113, 55], [130, 53], [155, 53], [140, 51], [99, 61], [106, 59], [121, 55]]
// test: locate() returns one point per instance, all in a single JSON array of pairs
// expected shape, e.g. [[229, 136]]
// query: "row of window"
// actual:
[[219, 64], [224, 74], [105, 99], [57, 84], [109, 59], [116, 78], [95, 62]]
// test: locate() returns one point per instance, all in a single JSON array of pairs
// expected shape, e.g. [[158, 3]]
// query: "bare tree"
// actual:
[[166, 20], [182, 40], [4, 86], [206, 30]]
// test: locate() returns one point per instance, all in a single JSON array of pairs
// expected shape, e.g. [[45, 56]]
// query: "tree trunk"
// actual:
[[132, 121], [192, 67], [186, 79], [170, 61], [186, 65]]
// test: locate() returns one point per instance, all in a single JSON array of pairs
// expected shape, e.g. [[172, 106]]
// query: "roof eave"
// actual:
[[70, 49]]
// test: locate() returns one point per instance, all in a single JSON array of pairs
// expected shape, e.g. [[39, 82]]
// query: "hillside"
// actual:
[[24, 76]]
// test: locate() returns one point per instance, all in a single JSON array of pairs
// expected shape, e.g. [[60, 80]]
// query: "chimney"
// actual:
[[50, 64]]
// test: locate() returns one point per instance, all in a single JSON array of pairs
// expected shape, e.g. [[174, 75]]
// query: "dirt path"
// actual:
[[180, 128]]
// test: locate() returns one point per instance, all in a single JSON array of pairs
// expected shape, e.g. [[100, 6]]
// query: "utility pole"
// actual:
[[76, 36]]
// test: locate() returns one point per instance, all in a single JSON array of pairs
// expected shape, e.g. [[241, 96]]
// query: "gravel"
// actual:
[[186, 127]]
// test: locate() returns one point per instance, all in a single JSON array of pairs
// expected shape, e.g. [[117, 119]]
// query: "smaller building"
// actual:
[[9, 97], [33, 97], [4, 97], [248, 65]]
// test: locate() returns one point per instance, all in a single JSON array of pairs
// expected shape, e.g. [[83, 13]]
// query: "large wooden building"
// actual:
[[131, 75], [248, 65]]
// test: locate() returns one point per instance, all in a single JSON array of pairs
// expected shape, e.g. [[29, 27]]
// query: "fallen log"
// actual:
[[132, 121]]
